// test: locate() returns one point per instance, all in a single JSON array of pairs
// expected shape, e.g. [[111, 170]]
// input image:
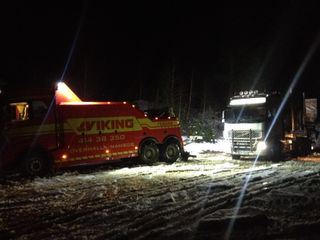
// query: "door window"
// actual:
[[19, 111]]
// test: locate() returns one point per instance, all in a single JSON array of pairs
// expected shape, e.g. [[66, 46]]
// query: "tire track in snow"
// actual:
[[150, 220]]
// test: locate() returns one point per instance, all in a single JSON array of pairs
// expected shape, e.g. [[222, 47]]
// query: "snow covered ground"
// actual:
[[185, 200], [195, 148]]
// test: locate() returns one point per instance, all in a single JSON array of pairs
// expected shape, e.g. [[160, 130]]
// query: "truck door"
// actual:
[[27, 124]]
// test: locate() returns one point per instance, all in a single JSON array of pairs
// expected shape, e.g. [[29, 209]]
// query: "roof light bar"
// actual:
[[247, 93], [247, 101]]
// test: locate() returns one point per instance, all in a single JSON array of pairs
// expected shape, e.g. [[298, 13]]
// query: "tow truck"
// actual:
[[248, 120], [44, 131]]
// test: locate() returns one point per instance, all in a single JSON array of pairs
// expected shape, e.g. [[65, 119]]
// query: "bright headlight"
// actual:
[[261, 146]]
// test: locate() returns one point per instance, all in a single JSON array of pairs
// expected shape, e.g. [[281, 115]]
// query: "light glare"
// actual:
[[261, 146], [65, 94]]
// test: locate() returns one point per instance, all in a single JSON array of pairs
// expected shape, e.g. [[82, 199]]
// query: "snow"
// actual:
[[195, 148], [184, 200]]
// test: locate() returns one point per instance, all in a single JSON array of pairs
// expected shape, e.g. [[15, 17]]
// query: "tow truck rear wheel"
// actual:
[[170, 152], [36, 163], [149, 153]]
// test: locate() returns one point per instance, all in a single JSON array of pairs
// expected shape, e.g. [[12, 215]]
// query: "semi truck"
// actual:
[[253, 129], [43, 131]]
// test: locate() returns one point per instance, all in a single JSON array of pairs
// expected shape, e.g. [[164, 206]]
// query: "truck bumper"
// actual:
[[252, 154]]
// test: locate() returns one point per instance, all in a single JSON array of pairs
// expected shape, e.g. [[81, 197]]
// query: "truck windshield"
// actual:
[[245, 114]]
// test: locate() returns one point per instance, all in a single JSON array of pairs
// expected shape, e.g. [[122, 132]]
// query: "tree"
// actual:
[[190, 94]]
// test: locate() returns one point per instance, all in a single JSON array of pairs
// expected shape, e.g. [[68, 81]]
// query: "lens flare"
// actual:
[[74, 43], [296, 78]]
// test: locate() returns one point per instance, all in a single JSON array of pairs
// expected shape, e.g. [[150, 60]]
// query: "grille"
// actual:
[[244, 140], [245, 134], [246, 145]]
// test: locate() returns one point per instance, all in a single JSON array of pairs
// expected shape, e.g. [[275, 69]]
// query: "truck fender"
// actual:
[[147, 140], [172, 138]]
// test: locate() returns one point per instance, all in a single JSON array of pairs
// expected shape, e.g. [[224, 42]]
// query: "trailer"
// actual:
[[43, 132]]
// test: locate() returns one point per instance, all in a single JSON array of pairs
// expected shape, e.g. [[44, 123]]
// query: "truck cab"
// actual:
[[252, 128], [24, 117]]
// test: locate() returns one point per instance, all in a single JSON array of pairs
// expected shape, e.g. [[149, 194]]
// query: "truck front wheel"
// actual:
[[36, 163], [170, 153], [276, 152], [149, 153], [235, 157]]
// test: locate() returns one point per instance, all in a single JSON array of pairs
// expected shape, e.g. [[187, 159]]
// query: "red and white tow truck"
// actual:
[[43, 132]]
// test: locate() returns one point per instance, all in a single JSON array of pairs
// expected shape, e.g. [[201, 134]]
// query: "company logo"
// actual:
[[104, 125]]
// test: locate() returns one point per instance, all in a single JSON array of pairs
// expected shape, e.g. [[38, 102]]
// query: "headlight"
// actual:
[[261, 146]]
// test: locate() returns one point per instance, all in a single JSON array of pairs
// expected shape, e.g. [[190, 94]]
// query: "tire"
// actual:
[[302, 147], [276, 152], [235, 157], [170, 152], [149, 153], [36, 163]]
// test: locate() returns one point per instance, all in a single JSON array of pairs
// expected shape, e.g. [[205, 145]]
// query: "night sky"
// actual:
[[127, 51]]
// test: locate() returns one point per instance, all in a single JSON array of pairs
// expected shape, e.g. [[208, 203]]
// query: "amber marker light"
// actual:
[[136, 148], [64, 156], [65, 94], [107, 151]]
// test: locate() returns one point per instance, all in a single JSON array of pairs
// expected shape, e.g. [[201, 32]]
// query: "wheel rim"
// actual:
[[35, 165], [149, 154], [171, 152]]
